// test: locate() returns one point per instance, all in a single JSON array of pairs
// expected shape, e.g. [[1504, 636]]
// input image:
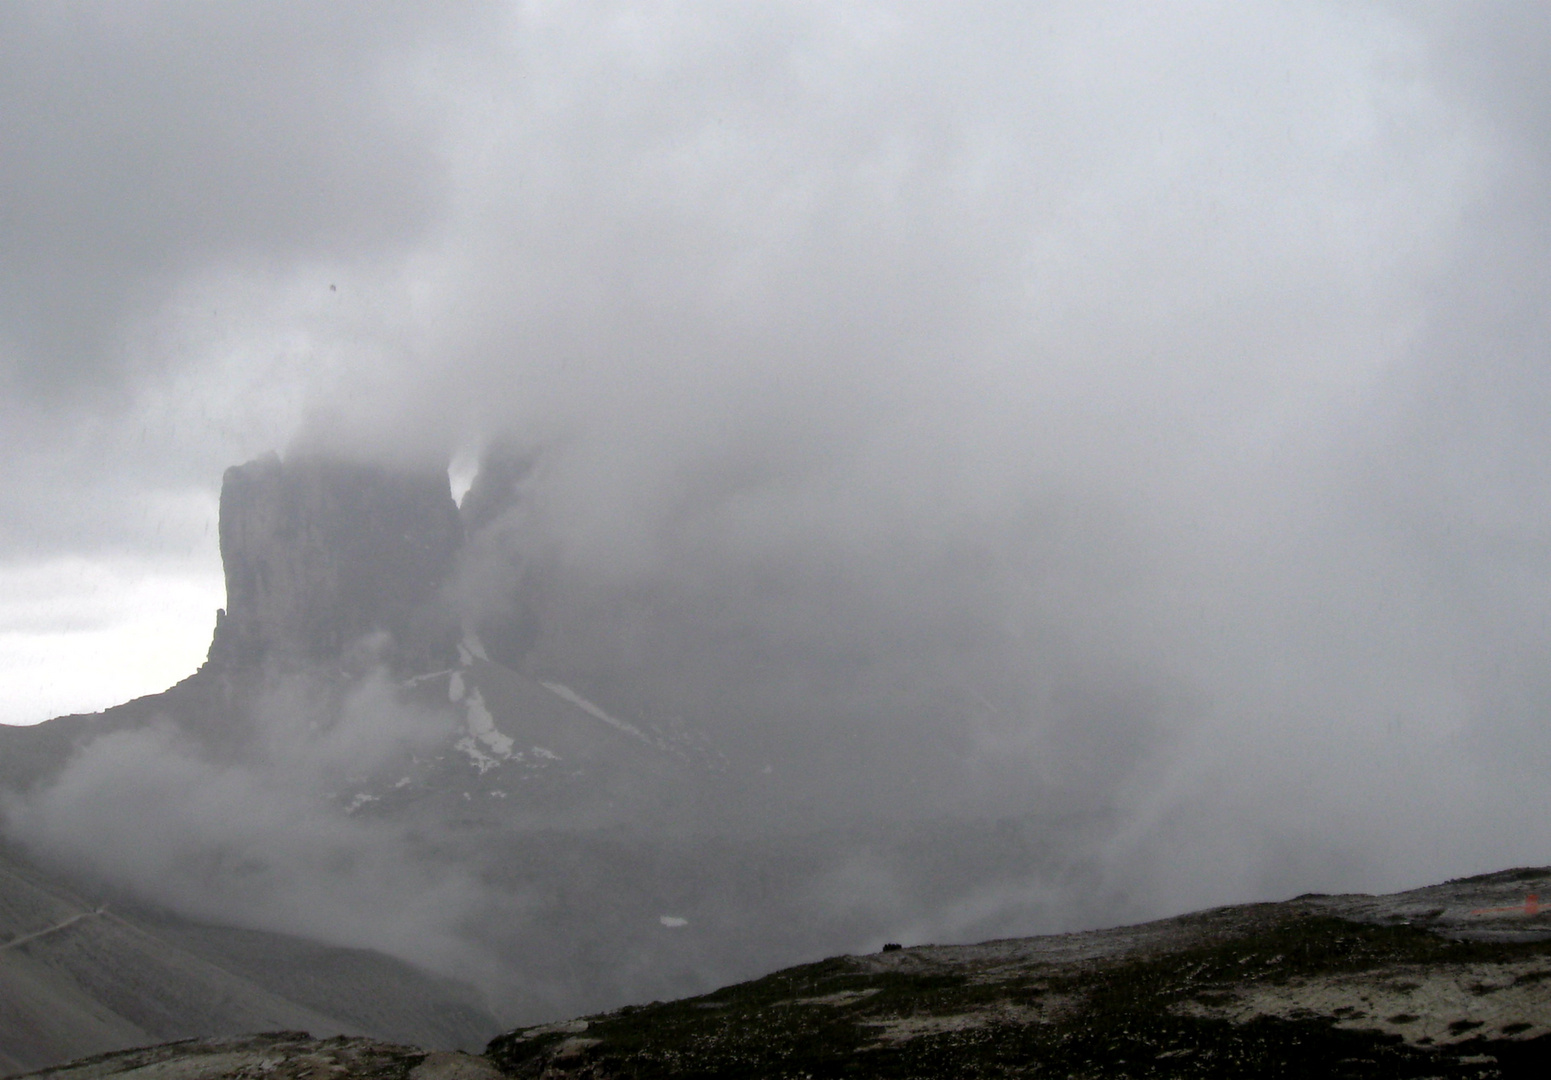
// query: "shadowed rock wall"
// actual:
[[322, 554]]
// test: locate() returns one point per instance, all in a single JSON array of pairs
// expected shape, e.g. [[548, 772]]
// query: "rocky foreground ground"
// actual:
[[279, 1055], [1453, 980]]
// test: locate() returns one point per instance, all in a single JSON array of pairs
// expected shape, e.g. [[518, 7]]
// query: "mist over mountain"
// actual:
[[84, 973], [414, 733], [923, 473]]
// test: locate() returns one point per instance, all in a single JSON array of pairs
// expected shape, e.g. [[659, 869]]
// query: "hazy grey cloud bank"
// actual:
[[255, 833], [1142, 402]]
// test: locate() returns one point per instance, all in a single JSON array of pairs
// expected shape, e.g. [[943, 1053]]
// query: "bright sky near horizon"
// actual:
[[79, 635]]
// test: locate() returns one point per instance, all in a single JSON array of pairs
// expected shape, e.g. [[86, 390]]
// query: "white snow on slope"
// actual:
[[564, 692], [481, 760], [483, 735], [416, 680], [482, 726]]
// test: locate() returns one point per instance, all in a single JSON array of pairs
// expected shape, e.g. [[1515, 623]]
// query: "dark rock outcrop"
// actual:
[[497, 488], [321, 555]]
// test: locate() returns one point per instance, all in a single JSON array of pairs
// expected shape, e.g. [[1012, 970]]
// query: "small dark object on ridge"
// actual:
[[893, 946]]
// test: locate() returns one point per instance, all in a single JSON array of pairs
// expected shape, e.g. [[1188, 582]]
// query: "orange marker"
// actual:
[[1531, 907]]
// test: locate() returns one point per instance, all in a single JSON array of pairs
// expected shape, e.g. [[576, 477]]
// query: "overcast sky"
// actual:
[[1204, 341]]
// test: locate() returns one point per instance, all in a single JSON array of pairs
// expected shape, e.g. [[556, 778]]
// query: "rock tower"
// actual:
[[321, 555]]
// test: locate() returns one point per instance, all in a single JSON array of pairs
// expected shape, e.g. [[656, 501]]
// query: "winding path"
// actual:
[[62, 924]]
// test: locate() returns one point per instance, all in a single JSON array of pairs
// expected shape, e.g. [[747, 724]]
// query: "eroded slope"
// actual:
[[80, 978]]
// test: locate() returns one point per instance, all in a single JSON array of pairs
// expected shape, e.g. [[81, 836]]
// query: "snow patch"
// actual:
[[416, 680], [481, 760], [482, 726], [565, 693], [455, 688], [672, 922]]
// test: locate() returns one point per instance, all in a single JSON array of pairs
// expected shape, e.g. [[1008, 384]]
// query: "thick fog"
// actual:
[[966, 409], [253, 839]]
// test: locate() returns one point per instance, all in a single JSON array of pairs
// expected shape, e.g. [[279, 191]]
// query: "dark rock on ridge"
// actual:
[[320, 554], [497, 486]]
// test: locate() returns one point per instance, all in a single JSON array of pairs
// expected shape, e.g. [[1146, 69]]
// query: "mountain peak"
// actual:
[[320, 554]]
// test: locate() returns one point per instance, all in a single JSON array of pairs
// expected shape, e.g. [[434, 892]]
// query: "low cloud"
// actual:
[[973, 410], [250, 830]]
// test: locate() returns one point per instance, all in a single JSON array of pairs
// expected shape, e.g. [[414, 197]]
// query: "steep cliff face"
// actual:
[[322, 554]]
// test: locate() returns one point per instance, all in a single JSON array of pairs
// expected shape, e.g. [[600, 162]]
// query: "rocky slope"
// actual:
[[80, 976], [282, 1055], [1453, 980]]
